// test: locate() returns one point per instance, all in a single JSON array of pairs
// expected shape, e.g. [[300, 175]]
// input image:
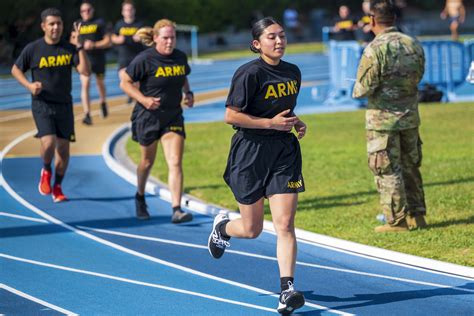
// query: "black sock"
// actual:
[[58, 178], [176, 209], [221, 229], [140, 197], [284, 283], [47, 166]]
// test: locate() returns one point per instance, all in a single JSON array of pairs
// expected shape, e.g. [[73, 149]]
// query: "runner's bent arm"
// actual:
[[103, 43], [279, 122], [462, 13], [33, 87], [188, 94], [126, 84]]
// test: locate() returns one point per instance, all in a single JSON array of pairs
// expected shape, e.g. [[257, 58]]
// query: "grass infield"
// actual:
[[340, 198]]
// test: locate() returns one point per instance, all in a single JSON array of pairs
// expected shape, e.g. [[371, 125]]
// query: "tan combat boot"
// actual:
[[416, 221], [401, 227]]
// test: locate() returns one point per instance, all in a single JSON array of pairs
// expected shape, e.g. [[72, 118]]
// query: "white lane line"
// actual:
[[36, 300], [54, 220], [27, 113], [15, 142], [310, 238], [26, 218], [131, 281], [249, 254]]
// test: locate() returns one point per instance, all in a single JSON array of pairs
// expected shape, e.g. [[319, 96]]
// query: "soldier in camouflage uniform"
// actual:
[[390, 69]]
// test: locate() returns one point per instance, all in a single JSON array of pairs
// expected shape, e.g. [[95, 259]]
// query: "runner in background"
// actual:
[[95, 40], [50, 60], [345, 25], [127, 42], [364, 23], [455, 11]]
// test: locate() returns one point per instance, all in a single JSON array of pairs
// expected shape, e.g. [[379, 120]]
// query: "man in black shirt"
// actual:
[[364, 24], [95, 40], [127, 42], [345, 25], [50, 60], [125, 38]]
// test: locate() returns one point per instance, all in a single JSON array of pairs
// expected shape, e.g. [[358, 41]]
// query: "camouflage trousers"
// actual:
[[395, 157]]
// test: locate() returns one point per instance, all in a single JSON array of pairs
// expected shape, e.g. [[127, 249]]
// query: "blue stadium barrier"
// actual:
[[445, 66], [470, 60], [343, 62], [326, 33], [469, 51]]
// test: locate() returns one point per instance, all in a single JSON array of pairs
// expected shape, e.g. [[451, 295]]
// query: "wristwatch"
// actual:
[[190, 92]]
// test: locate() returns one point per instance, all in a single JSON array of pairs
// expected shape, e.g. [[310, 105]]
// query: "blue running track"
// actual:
[[92, 256]]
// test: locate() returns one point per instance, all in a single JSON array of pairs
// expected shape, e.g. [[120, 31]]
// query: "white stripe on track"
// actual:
[[310, 238], [249, 254], [126, 280], [26, 218], [54, 220], [36, 300]]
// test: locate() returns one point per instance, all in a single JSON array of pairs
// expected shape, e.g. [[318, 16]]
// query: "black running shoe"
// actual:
[[181, 217], [104, 110], [87, 120], [141, 209], [217, 243], [290, 300]]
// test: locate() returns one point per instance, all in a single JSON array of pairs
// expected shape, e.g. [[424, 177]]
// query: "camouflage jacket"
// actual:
[[390, 69]]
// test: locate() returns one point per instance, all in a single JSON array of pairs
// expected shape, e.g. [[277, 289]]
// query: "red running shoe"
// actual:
[[58, 195], [44, 186]]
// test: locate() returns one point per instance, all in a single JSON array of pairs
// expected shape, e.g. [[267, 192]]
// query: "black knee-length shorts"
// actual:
[[148, 126], [54, 119], [260, 166]]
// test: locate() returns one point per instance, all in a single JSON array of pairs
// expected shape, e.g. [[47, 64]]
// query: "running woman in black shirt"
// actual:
[[50, 60], [265, 157], [161, 72], [125, 38], [95, 40]]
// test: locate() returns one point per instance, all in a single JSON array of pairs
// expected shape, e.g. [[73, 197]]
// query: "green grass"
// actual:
[[314, 47], [340, 198]]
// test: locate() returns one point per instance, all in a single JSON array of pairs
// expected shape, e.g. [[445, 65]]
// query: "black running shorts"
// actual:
[[97, 64], [260, 166], [148, 126], [54, 119]]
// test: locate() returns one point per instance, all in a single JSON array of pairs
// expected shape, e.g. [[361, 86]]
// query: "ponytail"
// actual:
[[146, 35]]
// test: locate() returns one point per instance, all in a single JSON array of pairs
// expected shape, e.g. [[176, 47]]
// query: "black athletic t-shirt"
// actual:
[[263, 90], [129, 49], [161, 76], [93, 30], [345, 32], [51, 65]]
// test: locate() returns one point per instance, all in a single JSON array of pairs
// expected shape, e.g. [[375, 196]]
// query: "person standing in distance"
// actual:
[[390, 69], [265, 156], [162, 72], [455, 11], [95, 40], [125, 38], [50, 60]]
